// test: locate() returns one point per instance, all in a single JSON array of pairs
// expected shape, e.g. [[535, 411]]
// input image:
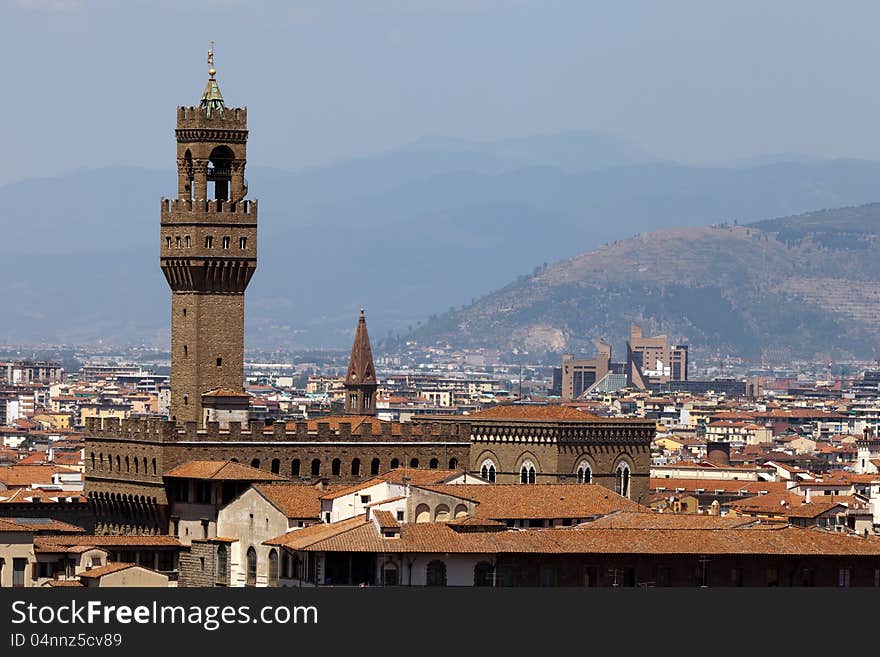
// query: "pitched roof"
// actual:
[[730, 487], [94, 573], [110, 541], [386, 520], [14, 476], [358, 535], [7, 526], [649, 521], [293, 500], [518, 501], [545, 412], [221, 471]]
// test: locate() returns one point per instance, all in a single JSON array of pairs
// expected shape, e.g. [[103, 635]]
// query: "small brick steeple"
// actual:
[[360, 380]]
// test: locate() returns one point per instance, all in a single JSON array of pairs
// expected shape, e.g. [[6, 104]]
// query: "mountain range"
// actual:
[[407, 234], [799, 287]]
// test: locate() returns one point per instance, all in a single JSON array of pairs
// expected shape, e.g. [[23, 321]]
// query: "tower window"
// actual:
[[185, 400], [242, 243], [177, 242], [187, 242], [184, 312], [226, 242], [168, 241], [185, 350], [219, 362], [209, 242]]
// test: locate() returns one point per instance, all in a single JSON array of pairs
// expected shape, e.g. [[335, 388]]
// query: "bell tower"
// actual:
[[208, 251], [360, 381]]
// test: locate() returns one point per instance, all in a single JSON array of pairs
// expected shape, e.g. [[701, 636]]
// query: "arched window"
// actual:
[[273, 568], [118, 464], [127, 465], [276, 466], [251, 579], [435, 573], [93, 460], [423, 513], [395, 463], [460, 511], [389, 574], [441, 513], [355, 467], [623, 476], [187, 242], [222, 562], [225, 242], [294, 468], [255, 463], [453, 463], [487, 470], [414, 463], [484, 574], [527, 473], [375, 464], [234, 460], [316, 467], [335, 467], [434, 464], [242, 243], [135, 464], [154, 466], [209, 241], [584, 473], [145, 465]]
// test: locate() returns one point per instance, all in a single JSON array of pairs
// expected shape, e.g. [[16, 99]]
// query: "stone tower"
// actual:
[[360, 380], [208, 251]]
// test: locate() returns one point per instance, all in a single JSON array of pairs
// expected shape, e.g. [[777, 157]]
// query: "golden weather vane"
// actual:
[[211, 71]]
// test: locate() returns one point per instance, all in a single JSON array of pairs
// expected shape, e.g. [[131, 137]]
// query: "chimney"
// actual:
[[718, 453]]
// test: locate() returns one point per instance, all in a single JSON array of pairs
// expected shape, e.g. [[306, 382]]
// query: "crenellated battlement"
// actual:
[[189, 210], [195, 118], [166, 431]]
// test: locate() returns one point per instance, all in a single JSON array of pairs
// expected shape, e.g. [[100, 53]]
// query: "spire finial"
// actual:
[[211, 70], [362, 312]]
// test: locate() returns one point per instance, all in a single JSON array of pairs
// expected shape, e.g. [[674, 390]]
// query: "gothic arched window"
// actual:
[[527, 473], [584, 473], [623, 477]]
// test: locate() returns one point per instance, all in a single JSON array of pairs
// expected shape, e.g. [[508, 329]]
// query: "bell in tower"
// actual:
[[208, 252]]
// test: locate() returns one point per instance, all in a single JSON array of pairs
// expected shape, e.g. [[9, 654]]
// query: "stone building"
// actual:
[[550, 444], [208, 255]]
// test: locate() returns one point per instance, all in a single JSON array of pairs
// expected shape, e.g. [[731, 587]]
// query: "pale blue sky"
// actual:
[[89, 84]]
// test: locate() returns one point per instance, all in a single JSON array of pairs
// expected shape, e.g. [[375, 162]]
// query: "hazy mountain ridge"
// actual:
[[799, 285], [406, 234]]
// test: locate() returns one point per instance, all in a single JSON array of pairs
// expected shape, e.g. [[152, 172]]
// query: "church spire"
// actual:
[[360, 380], [212, 99]]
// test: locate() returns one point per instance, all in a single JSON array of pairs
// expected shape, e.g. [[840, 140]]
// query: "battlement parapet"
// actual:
[[234, 118], [151, 429], [166, 431], [211, 210]]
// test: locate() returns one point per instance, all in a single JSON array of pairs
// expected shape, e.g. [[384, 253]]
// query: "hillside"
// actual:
[[803, 285], [405, 233]]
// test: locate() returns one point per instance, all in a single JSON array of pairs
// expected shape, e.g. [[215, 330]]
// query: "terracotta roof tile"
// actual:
[[518, 501], [221, 471], [547, 412], [293, 500]]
